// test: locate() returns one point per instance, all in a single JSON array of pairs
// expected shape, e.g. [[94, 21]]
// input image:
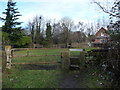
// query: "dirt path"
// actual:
[[73, 79]]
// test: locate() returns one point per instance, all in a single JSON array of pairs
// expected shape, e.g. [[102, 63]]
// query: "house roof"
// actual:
[[101, 30]]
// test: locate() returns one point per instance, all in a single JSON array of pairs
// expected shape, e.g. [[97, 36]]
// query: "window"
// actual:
[[102, 40], [102, 34]]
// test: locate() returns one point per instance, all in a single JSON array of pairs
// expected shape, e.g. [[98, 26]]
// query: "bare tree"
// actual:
[[32, 30], [107, 8], [79, 35], [35, 27], [37, 21], [90, 31], [66, 27], [56, 33]]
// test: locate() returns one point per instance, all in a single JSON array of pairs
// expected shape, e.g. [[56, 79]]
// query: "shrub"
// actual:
[[23, 42]]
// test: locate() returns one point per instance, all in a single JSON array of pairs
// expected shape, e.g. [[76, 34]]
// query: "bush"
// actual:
[[23, 42], [108, 63]]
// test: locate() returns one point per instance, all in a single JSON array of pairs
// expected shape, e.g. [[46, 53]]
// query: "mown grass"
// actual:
[[39, 58], [46, 51], [36, 59], [19, 78], [30, 79], [39, 52]]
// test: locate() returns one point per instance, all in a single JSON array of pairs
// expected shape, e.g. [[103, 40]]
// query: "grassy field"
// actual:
[[30, 79], [39, 58], [20, 78], [40, 52], [35, 59]]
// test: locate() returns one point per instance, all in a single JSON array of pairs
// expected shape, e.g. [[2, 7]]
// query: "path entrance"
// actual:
[[73, 79]]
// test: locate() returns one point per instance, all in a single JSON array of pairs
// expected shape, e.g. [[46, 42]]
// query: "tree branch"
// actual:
[[104, 9]]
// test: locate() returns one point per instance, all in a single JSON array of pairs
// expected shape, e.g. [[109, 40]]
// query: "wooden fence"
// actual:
[[10, 53], [64, 54], [28, 52]]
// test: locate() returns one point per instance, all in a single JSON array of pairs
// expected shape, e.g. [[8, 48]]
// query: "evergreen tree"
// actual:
[[10, 27], [48, 33]]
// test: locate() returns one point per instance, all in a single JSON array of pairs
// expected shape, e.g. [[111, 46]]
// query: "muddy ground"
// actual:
[[73, 79]]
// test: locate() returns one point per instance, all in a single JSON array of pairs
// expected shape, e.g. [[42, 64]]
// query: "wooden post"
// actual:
[[12, 52], [8, 56], [82, 58], [27, 51], [65, 58], [45, 51]]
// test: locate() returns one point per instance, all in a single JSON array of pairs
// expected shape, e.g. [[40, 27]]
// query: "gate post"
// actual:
[[65, 58], [8, 56], [82, 58]]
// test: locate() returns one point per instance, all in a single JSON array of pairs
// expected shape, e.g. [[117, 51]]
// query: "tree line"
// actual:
[[44, 32]]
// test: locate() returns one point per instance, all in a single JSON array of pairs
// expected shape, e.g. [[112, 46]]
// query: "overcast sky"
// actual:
[[77, 10]]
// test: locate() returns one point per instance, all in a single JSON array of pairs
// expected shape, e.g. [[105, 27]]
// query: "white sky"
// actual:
[[77, 10]]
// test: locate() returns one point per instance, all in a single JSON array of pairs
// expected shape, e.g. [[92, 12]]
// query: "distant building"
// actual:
[[101, 37]]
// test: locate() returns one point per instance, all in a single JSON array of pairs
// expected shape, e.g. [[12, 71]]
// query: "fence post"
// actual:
[[65, 57], [27, 51], [12, 52], [82, 57], [8, 56], [46, 51]]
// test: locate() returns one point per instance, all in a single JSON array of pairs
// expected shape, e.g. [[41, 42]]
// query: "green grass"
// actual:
[[86, 49], [46, 51], [30, 79], [41, 58], [90, 48], [39, 52], [36, 59], [18, 78]]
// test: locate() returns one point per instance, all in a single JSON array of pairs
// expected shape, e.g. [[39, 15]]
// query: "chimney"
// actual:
[[10, 1]]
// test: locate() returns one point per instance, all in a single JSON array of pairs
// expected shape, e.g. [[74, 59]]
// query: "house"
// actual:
[[101, 37]]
